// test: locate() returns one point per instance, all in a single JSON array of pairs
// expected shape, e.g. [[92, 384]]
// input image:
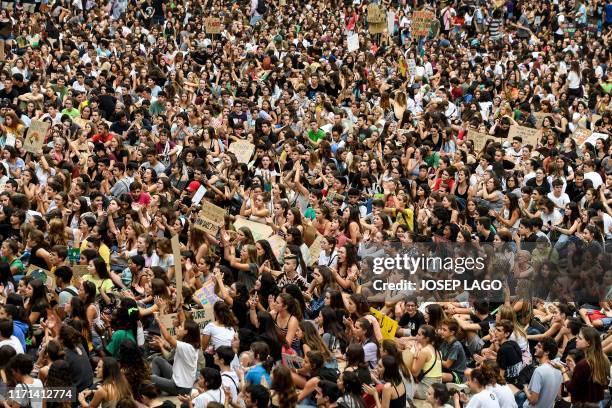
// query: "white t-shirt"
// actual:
[[185, 367], [594, 177], [232, 382], [504, 395], [484, 399], [202, 400], [559, 201], [14, 343], [219, 335]]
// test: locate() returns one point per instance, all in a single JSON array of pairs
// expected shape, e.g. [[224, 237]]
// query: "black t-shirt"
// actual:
[[571, 345], [574, 192], [412, 322], [510, 359], [11, 95], [484, 323]]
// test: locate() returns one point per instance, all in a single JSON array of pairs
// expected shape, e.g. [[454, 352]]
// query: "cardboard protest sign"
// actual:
[[529, 135], [581, 135], [479, 139], [199, 194], [259, 230], [206, 294], [388, 326], [78, 271], [210, 218], [315, 249], [42, 275], [412, 66], [421, 23], [243, 150], [212, 25], [36, 136], [277, 244], [292, 361], [201, 316], [74, 255], [178, 269], [594, 136], [540, 118], [352, 41]]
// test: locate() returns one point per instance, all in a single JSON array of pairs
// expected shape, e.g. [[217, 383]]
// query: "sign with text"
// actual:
[[259, 230], [210, 218], [581, 135], [540, 118], [42, 275], [206, 294], [243, 150], [36, 136], [388, 326], [201, 316], [352, 41], [529, 135], [479, 139], [212, 25], [315, 249], [421, 23]]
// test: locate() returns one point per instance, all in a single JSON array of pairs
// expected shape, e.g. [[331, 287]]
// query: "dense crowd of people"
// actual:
[[199, 199]]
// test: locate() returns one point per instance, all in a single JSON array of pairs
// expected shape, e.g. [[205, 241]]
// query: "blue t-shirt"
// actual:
[[608, 10], [256, 373]]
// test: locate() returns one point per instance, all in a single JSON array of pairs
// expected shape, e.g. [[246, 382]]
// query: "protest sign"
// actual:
[[36, 136], [201, 316], [199, 194], [178, 269], [594, 136], [529, 135], [388, 326], [315, 249], [42, 275], [259, 230], [210, 218], [390, 22], [212, 25], [479, 139], [540, 118], [206, 294], [277, 244], [581, 135], [421, 23], [352, 41], [412, 66], [292, 361], [243, 150]]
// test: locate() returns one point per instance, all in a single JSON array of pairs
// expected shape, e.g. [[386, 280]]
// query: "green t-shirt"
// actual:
[[315, 136], [73, 113], [119, 337], [432, 160], [17, 264], [310, 213]]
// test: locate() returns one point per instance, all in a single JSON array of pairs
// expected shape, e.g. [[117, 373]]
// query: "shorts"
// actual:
[[457, 376], [7, 37]]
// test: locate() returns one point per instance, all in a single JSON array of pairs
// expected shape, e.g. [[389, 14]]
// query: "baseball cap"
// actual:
[[193, 186]]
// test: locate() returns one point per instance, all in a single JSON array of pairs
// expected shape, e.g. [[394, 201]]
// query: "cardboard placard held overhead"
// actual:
[[36, 136], [529, 135], [243, 150], [421, 23], [259, 230], [201, 316], [212, 25], [315, 249], [206, 294], [178, 269]]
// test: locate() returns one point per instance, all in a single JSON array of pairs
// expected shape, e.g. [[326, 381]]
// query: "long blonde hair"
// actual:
[[507, 313]]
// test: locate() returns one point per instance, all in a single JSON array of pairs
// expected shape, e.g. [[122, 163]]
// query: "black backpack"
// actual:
[[261, 7]]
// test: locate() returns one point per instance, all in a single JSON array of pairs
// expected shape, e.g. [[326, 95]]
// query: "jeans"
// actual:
[[162, 377]]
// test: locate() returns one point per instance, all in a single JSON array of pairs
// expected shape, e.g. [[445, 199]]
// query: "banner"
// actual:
[[36, 136], [212, 25], [259, 230], [529, 135], [388, 326], [421, 23], [178, 269], [243, 150]]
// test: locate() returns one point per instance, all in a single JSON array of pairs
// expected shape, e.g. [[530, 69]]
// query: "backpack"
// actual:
[[261, 7]]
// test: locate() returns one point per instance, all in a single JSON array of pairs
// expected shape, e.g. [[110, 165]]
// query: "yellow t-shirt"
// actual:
[[107, 284], [103, 251]]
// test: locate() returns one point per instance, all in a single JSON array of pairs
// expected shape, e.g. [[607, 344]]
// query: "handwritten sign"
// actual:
[[292, 361], [78, 271], [593, 138], [478, 139], [352, 41], [581, 135], [529, 135], [178, 269], [315, 249], [421, 23], [201, 316], [206, 294], [243, 150], [259, 230], [42, 275], [36, 136], [540, 118], [277, 244], [212, 25], [412, 67], [388, 326]]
